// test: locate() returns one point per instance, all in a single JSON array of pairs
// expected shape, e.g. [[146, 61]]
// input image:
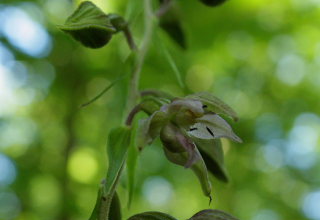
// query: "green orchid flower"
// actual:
[[190, 129]]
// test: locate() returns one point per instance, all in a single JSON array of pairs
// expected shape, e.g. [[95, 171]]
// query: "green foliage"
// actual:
[[89, 25], [210, 214], [212, 3], [152, 216], [115, 208], [171, 24], [207, 214], [118, 144], [259, 57]]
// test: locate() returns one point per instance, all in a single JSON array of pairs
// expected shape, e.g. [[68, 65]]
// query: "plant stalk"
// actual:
[[133, 94], [133, 91]]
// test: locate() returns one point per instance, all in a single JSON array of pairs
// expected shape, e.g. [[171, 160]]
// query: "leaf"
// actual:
[[89, 25], [106, 89], [212, 3], [170, 23], [96, 209], [210, 214], [118, 144], [212, 154], [212, 126], [115, 208], [132, 164], [152, 216], [214, 104], [199, 168]]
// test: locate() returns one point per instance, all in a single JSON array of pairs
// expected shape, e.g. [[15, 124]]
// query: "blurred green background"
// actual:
[[260, 57]]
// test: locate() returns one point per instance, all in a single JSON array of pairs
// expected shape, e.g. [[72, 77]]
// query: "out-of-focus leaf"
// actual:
[[106, 89], [152, 216], [214, 104], [199, 168], [212, 126], [171, 24], [149, 128], [115, 208], [89, 25], [210, 214], [212, 154], [118, 144], [212, 3]]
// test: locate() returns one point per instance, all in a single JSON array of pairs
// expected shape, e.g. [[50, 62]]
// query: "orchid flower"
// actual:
[[190, 129]]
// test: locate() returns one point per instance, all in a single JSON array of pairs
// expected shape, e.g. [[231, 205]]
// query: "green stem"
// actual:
[[133, 93]]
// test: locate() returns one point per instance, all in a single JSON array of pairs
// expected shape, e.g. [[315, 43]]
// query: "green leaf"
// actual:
[[118, 144], [152, 216], [170, 23], [214, 104], [210, 214], [106, 89], [96, 209], [212, 3], [132, 164], [89, 25], [115, 208], [199, 168], [212, 154]]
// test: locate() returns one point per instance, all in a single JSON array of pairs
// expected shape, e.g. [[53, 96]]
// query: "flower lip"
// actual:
[[211, 126]]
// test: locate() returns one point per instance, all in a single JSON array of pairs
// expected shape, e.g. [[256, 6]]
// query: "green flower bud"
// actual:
[[212, 3], [169, 138], [118, 22]]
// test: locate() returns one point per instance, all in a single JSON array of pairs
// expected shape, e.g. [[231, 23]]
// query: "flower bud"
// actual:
[[169, 138]]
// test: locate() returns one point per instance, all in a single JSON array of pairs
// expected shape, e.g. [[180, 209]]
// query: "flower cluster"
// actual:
[[190, 129]]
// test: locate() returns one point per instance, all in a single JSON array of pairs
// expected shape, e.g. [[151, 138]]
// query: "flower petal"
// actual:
[[214, 104], [184, 111], [212, 126], [149, 128], [212, 153], [199, 168], [175, 141]]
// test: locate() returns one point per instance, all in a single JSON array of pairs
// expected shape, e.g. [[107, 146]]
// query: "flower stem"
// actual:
[[133, 94], [133, 91]]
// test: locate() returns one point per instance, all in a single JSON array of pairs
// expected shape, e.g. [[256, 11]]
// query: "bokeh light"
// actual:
[[10, 206], [157, 191], [311, 205], [25, 34], [7, 171], [83, 165]]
